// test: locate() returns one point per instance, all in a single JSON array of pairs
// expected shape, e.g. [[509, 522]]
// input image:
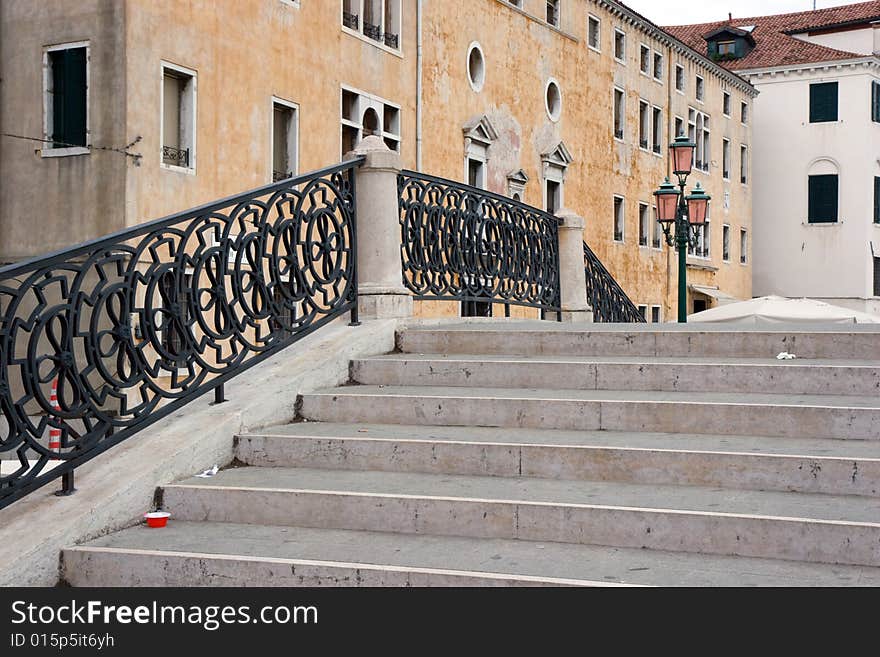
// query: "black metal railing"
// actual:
[[607, 299], [643, 143], [350, 20], [618, 134], [466, 244], [391, 40], [658, 148], [134, 325], [178, 157], [278, 176], [373, 31]]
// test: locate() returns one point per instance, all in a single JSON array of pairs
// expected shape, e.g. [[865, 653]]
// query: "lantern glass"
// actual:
[[697, 209], [682, 155], [667, 206]]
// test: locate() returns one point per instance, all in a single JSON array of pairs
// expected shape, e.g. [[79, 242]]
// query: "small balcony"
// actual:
[[392, 40], [373, 32], [176, 157], [351, 21]]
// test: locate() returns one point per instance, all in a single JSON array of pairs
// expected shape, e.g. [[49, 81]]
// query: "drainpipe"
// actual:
[[419, 86]]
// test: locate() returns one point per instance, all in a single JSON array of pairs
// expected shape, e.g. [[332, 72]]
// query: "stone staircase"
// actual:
[[525, 453]]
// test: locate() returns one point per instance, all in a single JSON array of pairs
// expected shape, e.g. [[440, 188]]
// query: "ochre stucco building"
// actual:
[[564, 103]]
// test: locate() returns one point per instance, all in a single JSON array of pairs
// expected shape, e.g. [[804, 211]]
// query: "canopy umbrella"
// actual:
[[773, 309]]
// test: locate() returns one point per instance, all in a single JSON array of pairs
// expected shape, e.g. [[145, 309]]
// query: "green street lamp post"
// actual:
[[686, 213]]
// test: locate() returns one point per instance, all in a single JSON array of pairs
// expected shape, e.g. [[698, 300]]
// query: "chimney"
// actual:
[[876, 26]]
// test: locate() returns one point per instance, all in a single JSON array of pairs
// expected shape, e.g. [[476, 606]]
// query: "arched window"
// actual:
[[823, 191]]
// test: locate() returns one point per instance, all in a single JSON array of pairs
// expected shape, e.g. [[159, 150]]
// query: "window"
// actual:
[[644, 124], [174, 317], [679, 78], [700, 90], [701, 248], [725, 103], [725, 159], [643, 311], [743, 246], [619, 46], [552, 196], [364, 115], [876, 200], [644, 224], [658, 229], [658, 66], [875, 101], [378, 20], [284, 139], [743, 164], [553, 100], [618, 219], [698, 132], [657, 123], [725, 243], [727, 47], [823, 102], [178, 117], [476, 67], [594, 33], [645, 59], [619, 113], [655, 314], [553, 12], [822, 199], [744, 112], [679, 127], [65, 99], [283, 319]]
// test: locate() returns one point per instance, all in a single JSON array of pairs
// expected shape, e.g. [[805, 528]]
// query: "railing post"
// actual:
[[381, 293], [572, 277]]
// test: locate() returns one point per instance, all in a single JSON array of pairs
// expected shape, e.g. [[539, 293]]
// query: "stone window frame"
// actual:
[[49, 150], [188, 114]]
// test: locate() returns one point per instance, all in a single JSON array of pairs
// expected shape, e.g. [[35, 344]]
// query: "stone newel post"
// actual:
[[572, 278], [381, 294]]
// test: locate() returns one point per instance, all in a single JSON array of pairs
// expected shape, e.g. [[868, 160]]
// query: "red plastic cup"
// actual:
[[157, 518]]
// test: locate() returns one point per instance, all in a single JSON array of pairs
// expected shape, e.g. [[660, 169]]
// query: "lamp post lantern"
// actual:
[[685, 213]]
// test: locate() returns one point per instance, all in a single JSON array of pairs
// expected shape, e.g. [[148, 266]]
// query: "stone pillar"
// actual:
[[381, 294], [572, 278]]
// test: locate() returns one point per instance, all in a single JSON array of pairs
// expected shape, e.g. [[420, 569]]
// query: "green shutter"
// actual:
[[876, 200], [69, 97], [823, 102], [875, 102], [822, 199]]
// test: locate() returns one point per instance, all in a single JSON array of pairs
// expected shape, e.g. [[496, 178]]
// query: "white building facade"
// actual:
[[816, 150]]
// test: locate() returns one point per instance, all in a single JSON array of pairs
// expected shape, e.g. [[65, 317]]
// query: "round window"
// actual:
[[553, 100], [476, 67]]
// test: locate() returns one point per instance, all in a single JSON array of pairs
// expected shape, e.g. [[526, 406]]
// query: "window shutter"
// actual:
[[875, 102], [75, 96], [876, 276], [876, 200], [823, 102], [822, 199]]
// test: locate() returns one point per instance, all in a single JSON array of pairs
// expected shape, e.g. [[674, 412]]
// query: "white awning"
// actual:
[[720, 296]]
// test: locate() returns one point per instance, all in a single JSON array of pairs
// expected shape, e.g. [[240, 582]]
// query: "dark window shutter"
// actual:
[[69, 97], [822, 200], [875, 102], [823, 102], [876, 276], [876, 200]]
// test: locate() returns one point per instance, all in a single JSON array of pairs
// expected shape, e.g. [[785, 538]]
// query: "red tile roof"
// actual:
[[774, 44]]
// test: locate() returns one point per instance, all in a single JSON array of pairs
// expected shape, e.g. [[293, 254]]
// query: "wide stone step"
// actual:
[[854, 342], [207, 554], [791, 526], [748, 462], [812, 377], [796, 416]]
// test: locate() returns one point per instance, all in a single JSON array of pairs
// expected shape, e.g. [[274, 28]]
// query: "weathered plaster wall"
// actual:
[[49, 203], [522, 53]]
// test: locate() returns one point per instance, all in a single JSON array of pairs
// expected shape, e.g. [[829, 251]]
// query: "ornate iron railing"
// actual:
[[466, 244], [373, 31], [608, 300], [391, 40], [135, 325], [350, 20], [178, 157]]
